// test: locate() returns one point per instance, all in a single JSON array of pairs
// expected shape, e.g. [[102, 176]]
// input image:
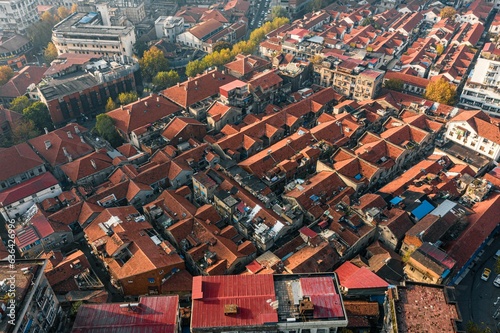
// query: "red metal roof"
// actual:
[[27, 189], [250, 293], [321, 290], [154, 315], [354, 277]]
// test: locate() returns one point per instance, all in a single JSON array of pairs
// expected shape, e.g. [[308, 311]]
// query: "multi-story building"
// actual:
[[168, 27], [481, 91], [267, 303], [18, 164], [13, 49], [17, 15], [35, 305], [86, 33]]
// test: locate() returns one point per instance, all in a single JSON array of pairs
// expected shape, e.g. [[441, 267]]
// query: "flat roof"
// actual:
[[76, 24]]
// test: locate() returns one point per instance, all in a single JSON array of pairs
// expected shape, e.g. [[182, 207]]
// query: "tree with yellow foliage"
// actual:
[[50, 53], [441, 91], [439, 49], [448, 12]]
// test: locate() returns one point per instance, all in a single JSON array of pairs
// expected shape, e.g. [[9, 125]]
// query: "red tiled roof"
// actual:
[[353, 277], [481, 123], [27, 189], [87, 165], [177, 125], [18, 85], [265, 80], [156, 314], [245, 64], [142, 112], [205, 28], [17, 160], [250, 293]]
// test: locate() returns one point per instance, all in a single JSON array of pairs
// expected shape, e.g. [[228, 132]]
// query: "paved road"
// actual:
[[476, 297]]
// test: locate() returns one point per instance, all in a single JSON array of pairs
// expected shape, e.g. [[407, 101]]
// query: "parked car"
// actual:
[[496, 282], [497, 255], [486, 274]]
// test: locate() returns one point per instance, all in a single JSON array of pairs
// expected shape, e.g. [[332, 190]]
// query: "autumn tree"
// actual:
[[163, 80], [6, 73], [316, 59], [105, 127], [110, 105], [127, 97], [394, 84], [39, 115], [448, 12], [439, 49], [63, 12], [20, 103], [23, 131], [220, 45], [40, 33], [497, 266], [74, 8], [194, 68], [50, 53], [441, 91], [152, 62]]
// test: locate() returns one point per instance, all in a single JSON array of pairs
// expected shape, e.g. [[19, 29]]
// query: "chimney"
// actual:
[[77, 130], [69, 134], [70, 159], [151, 94], [213, 75], [121, 106], [48, 144], [93, 164], [138, 99], [178, 84], [158, 98], [46, 130], [196, 83], [82, 139], [146, 103]]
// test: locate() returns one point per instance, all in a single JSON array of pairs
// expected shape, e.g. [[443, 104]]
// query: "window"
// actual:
[[21, 201]]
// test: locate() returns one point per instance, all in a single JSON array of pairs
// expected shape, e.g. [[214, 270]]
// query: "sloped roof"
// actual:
[[16, 160], [27, 188], [354, 277]]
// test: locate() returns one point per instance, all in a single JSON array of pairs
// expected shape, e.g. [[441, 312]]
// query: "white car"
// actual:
[[496, 282], [486, 274]]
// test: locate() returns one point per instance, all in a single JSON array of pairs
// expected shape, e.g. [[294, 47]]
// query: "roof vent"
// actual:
[[77, 130], [46, 130], [48, 144], [70, 136], [230, 309], [93, 164]]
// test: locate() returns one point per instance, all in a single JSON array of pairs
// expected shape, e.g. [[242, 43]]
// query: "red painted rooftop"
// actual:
[[354, 277]]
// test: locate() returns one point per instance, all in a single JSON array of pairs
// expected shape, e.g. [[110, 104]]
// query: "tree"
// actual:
[[39, 115], [23, 131], [394, 84], [74, 8], [278, 11], [475, 328], [439, 49], [127, 97], [194, 68], [110, 105], [448, 12], [6, 73], [315, 5], [20, 103], [220, 45], [317, 59], [50, 53], [40, 33], [105, 127], [62, 12], [152, 62], [497, 266], [164, 80], [139, 48], [441, 91], [345, 330]]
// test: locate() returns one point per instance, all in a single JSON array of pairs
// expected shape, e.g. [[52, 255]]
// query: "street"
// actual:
[[476, 297]]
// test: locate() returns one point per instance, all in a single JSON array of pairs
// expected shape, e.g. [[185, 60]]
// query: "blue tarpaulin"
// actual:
[[396, 200], [358, 176], [423, 209]]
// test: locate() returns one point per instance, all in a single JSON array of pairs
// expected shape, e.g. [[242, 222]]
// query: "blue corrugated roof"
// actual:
[[423, 209], [396, 200]]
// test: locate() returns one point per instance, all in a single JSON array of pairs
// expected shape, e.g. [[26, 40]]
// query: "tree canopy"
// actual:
[[20, 103], [394, 84], [105, 127], [110, 105], [6, 73], [439, 49], [127, 97], [163, 80], [152, 62], [23, 131], [50, 53], [441, 91], [475, 328], [278, 11], [448, 12], [40, 33], [220, 45], [39, 115]]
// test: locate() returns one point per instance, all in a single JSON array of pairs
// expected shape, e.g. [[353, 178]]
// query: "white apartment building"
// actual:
[[474, 130], [482, 90], [168, 27], [84, 33], [18, 15]]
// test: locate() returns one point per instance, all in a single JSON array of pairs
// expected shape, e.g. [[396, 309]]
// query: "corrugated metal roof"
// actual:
[[250, 293], [327, 303], [156, 314], [422, 210]]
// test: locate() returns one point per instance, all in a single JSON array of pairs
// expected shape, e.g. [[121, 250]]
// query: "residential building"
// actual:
[[245, 66], [219, 115], [89, 170], [198, 35], [88, 33], [79, 85], [137, 258], [411, 84], [18, 164], [428, 264], [228, 298], [36, 306], [18, 85], [266, 89], [481, 89], [182, 129], [149, 313], [8, 121], [477, 12], [236, 93], [16, 200], [16, 16], [359, 281], [454, 63], [169, 27], [13, 49], [477, 131]]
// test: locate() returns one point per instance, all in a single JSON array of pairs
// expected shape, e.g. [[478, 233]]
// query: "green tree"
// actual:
[[220, 45], [105, 127], [441, 91], [448, 12], [40, 33], [152, 62], [139, 48], [194, 68], [110, 105], [62, 12], [164, 80], [6, 73], [24, 131], [278, 11], [472, 327], [50, 53], [497, 266], [20, 103], [394, 84], [345, 330], [127, 97], [315, 5], [39, 115]]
